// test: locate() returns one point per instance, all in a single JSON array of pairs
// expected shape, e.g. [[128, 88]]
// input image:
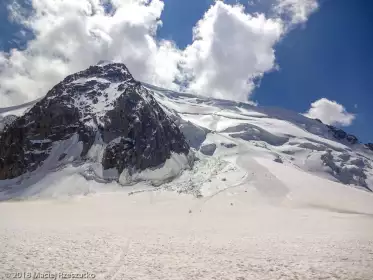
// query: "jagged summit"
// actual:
[[102, 105]]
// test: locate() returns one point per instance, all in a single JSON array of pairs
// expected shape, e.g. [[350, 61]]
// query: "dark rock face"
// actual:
[[278, 159], [354, 174], [7, 120], [146, 135], [208, 149], [339, 134], [352, 139], [101, 99], [228, 145]]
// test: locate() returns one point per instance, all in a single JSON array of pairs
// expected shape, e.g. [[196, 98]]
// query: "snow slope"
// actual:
[[275, 133], [264, 200], [261, 221]]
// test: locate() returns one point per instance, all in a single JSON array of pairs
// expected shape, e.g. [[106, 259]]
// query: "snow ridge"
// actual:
[[287, 137]]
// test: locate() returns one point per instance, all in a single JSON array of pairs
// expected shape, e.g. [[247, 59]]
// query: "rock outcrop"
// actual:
[[6, 121], [102, 100], [341, 135]]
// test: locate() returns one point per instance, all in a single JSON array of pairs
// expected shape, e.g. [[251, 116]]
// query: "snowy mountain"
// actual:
[[221, 127], [104, 120], [122, 180], [102, 115]]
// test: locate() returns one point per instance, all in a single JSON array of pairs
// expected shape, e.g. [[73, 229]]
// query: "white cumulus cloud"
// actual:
[[330, 112], [71, 35], [297, 11], [230, 49]]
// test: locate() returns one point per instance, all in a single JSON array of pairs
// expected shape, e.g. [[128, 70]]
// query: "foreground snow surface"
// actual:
[[264, 200], [255, 219]]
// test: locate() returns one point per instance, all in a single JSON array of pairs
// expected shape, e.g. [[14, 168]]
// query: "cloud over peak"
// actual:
[[330, 112], [230, 49]]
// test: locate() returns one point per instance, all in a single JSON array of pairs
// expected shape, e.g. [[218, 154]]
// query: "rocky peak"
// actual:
[[341, 135], [102, 102]]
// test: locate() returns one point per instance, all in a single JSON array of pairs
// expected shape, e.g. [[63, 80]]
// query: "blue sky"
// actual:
[[331, 57], [326, 56]]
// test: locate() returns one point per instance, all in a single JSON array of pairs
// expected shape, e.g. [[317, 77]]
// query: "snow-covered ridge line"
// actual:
[[274, 112], [287, 137], [334, 133]]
